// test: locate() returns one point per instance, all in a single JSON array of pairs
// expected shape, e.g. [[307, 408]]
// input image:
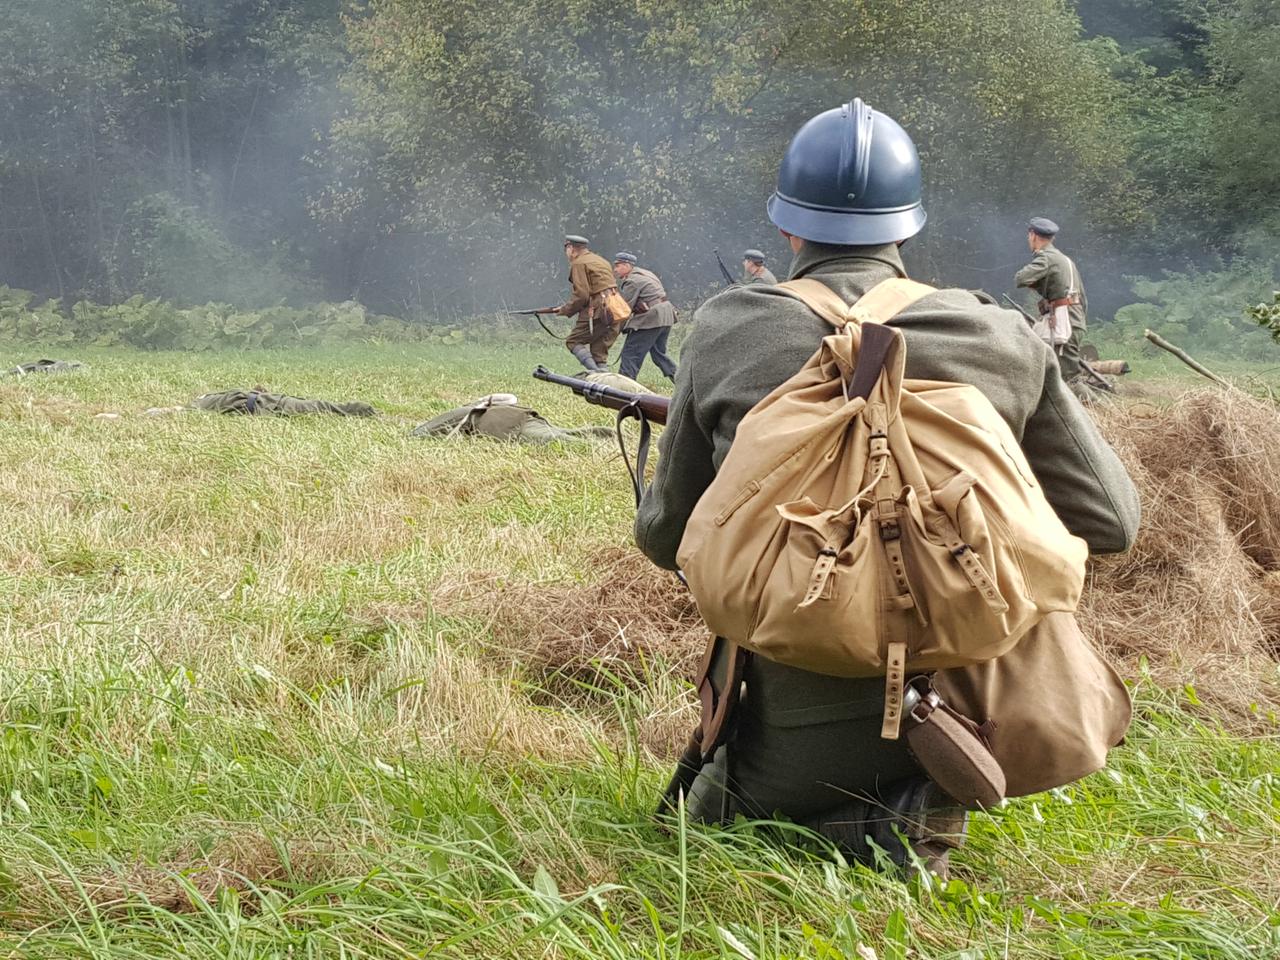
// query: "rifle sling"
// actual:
[[877, 341], [542, 323], [633, 410]]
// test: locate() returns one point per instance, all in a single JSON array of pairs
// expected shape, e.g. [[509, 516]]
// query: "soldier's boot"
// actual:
[[583, 353], [927, 818], [912, 812]]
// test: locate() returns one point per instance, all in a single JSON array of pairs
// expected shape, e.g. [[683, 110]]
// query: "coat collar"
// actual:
[[820, 258]]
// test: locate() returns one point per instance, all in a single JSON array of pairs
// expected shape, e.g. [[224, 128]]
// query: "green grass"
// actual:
[[236, 722]]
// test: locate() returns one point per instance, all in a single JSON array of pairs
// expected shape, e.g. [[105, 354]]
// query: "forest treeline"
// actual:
[[423, 157]]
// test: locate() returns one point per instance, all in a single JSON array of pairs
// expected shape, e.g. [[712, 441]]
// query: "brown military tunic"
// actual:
[[591, 277]]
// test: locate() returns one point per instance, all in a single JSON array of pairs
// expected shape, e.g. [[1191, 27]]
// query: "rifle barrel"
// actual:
[[653, 406]]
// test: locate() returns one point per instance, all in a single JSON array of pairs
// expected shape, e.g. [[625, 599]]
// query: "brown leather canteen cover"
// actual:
[[867, 525], [1055, 705]]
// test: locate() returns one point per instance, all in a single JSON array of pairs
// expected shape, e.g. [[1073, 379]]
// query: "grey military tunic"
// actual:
[[44, 366], [647, 298], [1053, 275]]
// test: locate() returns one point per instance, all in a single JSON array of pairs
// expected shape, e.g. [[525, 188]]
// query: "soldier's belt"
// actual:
[[1048, 306]]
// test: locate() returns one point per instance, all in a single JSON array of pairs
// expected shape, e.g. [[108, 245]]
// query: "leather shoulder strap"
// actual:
[[880, 304]]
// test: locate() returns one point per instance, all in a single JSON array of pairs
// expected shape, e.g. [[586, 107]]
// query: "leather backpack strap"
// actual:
[[819, 298], [880, 304]]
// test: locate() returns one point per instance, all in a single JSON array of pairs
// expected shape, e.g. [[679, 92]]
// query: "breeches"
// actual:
[[804, 743], [597, 336]]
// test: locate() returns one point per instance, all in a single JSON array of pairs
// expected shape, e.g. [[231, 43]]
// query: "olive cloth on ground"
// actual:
[[501, 417], [44, 366], [260, 403]]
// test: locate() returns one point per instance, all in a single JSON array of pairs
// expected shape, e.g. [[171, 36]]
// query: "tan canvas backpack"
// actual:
[[866, 525]]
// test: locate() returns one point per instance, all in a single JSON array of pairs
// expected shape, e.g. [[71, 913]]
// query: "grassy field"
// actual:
[[239, 716]]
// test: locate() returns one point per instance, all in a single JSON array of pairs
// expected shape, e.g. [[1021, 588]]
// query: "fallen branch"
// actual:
[[1185, 357]]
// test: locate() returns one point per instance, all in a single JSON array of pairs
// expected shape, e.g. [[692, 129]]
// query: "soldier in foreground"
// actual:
[[652, 317], [595, 302], [1053, 275], [754, 270], [805, 745]]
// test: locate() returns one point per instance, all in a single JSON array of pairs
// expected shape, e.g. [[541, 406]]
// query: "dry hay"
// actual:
[[1199, 595], [631, 615]]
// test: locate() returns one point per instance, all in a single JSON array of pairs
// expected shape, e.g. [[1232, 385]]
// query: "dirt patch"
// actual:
[[186, 882]]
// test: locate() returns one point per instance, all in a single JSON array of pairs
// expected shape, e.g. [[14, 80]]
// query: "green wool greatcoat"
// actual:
[[1050, 274], [805, 740]]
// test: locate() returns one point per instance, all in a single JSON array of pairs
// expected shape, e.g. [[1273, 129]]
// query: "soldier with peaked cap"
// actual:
[[652, 316], [1053, 275], [802, 744], [754, 270], [593, 282]]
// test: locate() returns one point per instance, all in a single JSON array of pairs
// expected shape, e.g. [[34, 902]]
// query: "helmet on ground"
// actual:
[[851, 176]]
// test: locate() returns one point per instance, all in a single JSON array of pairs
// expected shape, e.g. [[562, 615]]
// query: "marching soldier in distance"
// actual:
[[802, 744], [754, 270], [652, 316], [1053, 275], [595, 302]]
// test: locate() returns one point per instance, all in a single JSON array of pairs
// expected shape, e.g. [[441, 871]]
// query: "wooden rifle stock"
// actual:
[[651, 405]]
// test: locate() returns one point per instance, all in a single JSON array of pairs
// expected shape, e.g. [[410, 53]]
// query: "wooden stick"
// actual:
[[1186, 358]]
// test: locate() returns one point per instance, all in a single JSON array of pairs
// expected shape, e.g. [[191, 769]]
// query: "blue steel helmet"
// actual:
[[851, 176]]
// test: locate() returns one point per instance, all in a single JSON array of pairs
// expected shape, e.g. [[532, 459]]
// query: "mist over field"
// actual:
[[424, 157]]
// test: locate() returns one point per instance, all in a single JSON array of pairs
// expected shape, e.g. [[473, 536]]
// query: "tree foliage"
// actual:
[[424, 155]]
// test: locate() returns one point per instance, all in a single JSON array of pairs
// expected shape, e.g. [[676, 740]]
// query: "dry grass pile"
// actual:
[[1199, 595], [630, 614]]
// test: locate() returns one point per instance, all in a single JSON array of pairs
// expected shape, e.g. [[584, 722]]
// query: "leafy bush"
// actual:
[[178, 253], [1201, 311], [1267, 315], [159, 325]]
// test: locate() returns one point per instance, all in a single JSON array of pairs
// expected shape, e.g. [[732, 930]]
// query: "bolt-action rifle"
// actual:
[[653, 407], [1095, 378], [724, 271], [648, 408], [539, 313]]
